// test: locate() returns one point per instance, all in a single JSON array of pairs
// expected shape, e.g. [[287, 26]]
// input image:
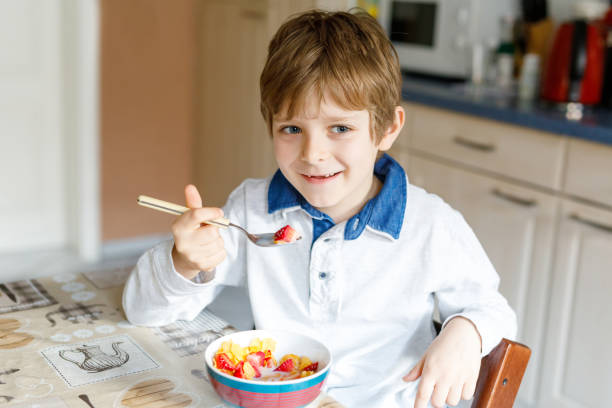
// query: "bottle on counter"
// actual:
[[539, 28], [505, 54], [478, 64], [606, 93], [529, 80]]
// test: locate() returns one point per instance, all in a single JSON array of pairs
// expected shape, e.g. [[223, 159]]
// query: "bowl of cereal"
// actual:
[[267, 368]]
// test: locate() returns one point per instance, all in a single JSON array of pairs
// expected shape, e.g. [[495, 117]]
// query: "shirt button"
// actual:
[[326, 239], [322, 275]]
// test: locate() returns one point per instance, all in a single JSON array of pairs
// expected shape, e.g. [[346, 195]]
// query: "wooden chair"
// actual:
[[501, 373]]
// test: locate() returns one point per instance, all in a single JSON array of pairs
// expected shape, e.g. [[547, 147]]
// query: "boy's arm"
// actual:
[[475, 315], [156, 294], [449, 368], [471, 288]]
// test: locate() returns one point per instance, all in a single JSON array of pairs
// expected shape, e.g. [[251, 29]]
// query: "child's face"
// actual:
[[327, 153]]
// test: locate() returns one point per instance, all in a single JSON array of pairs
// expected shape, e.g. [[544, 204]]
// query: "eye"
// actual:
[[340, 129], [291, 130]]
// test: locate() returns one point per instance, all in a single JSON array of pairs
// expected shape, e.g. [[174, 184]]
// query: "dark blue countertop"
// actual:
[[594, 125]]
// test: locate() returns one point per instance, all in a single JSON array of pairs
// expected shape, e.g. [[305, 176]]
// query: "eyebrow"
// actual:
[[329, 119], [341, 118]]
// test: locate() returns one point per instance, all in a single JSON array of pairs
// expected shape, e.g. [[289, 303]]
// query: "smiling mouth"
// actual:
[[321, 177]]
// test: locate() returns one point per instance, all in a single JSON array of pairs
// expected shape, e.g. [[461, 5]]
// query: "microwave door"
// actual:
[[428, 36], [413, 23]]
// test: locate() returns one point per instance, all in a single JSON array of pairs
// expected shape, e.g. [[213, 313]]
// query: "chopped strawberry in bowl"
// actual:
[[244, 371], [286, 235]]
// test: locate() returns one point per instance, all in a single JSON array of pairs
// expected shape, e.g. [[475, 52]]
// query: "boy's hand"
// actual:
[[197, 246], [449, 368]]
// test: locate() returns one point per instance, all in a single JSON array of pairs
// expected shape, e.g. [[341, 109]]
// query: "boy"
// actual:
[[376, 253]]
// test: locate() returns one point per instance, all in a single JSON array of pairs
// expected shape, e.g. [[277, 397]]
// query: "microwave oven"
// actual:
[[436, 37]]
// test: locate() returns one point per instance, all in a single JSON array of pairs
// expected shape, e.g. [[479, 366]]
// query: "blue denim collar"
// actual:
[[384, 212]]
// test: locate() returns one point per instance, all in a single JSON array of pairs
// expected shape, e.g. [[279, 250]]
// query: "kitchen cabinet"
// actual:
[[578, 359], [589, 166], [232, 141], [577, 370], [506, 150], [541, 205]]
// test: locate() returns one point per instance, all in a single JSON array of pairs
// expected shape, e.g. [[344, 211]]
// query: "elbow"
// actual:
[[143, 318], [139, 314]]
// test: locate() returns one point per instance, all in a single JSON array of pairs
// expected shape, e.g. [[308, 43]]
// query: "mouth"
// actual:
[[321, 178]]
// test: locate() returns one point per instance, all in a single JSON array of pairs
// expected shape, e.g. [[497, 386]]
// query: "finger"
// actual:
[[192, 220], [468, 390], [454, 395], [439, 395], [211, 262], [211, 247], [197, 217], [415, 372], [192, 196], [203, 257], [195, 251], [424, 391], [205, 235]]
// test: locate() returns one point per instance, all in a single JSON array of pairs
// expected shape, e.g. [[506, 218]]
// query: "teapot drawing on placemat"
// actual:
[[95, 359]]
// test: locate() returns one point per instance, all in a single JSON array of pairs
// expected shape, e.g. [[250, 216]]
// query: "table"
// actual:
[[65, 342]]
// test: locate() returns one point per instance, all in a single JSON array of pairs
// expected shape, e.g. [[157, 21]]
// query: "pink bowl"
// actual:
[[238, 392]]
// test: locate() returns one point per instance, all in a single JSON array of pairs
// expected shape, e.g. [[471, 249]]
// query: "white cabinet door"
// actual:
[[516, 228], [32, 188], [578, 359]]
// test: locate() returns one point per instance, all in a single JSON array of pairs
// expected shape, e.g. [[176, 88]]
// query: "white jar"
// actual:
[[530, 77]]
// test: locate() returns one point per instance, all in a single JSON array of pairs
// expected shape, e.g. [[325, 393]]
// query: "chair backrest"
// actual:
[[501, 372]]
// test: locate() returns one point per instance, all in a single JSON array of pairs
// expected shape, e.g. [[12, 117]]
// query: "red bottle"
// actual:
[[576, 63], [606, 93]]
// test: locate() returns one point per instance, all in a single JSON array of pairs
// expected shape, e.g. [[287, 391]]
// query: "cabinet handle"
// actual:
[[472, 144], [525, 202], [592, 223]]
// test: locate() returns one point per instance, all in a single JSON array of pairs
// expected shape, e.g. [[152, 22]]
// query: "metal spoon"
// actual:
[[264, 240]]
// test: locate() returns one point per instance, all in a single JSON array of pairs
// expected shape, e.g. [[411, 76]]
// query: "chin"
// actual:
[[319, 202]]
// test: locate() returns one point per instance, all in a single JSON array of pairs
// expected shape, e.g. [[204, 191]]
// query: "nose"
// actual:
[[314, 149]]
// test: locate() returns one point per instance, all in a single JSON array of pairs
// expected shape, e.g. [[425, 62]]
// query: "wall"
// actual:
[[147, 73]]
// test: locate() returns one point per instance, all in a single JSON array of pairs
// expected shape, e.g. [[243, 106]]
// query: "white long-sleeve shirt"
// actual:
[[366, 287]]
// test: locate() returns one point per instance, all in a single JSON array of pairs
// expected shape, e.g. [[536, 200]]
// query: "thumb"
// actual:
[[416, 372], [192, 197]]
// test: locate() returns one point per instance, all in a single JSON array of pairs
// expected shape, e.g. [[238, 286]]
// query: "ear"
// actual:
[[393, 131]]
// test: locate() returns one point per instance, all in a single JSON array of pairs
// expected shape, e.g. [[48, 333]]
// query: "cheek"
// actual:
[[283, 152], [357, 153]]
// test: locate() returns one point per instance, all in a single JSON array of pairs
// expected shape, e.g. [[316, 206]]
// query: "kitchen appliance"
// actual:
[[436, 37], [606, 93], [575, 63]]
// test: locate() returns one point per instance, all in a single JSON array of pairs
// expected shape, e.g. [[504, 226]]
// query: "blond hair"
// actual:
[[346, 55]]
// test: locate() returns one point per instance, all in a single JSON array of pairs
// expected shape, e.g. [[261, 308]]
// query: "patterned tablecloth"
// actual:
[[64, 342]]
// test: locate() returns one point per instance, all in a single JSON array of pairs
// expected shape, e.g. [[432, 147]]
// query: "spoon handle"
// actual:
[[175, 209]]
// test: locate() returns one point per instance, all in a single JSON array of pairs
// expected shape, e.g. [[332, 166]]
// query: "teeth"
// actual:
[[322, 175]]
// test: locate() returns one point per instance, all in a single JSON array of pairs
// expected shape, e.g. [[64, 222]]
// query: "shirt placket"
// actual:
[[325, 261]]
